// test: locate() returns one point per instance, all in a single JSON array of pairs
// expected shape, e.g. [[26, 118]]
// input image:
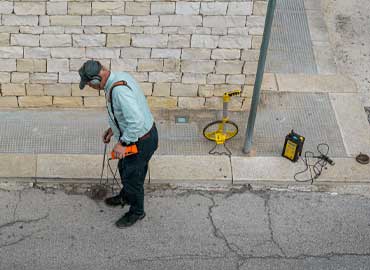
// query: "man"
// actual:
[[131, 124]]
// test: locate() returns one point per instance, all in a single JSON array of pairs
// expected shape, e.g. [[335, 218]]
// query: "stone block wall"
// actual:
[[184, 54]]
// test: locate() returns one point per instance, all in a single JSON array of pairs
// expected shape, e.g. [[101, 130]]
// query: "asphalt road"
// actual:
[[186, 229]]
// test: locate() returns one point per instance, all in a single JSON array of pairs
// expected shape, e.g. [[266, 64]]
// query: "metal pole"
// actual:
[[259, 76]]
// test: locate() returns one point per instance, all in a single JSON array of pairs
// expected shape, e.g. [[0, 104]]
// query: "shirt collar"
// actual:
[[109, 82]]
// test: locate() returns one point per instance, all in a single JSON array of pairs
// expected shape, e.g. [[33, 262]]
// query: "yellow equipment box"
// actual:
[[293, 146]]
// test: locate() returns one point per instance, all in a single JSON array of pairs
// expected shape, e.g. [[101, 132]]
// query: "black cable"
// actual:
[[316, 168]]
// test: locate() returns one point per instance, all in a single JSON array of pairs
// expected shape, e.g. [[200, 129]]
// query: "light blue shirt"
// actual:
[[130, 108]]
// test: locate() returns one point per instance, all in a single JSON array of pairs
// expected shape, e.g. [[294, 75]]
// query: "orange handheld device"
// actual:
[[130, 150]]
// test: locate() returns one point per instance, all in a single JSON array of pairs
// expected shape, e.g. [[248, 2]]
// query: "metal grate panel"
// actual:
[[290, 48]]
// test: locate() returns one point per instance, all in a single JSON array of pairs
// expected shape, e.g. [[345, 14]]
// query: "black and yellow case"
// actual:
[[293, 146]]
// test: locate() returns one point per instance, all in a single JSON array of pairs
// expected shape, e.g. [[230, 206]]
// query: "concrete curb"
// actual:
[[177, 169]]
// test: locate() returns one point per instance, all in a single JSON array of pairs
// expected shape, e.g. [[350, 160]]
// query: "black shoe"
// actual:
[[128, 219], [115, 201]]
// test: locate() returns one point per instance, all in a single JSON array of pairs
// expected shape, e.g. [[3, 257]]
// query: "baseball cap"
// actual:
[[88, 70]]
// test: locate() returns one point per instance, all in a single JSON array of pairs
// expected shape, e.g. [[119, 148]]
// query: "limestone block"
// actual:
[[214, 103], [20, 77], [9, 29], [260, 8], [118, 40], [11, 52], [146, 21], [171, 65], [166, 53], [8, 65], [135, 53], [201, 66], [88, 40], [240, 8], [213, 8], [229, 67], [235, 42], [256, 42], [31, 65], [56, 8], [68, 102], [162, 8], [35, 30], [193, 78], [65, 20], [164, 77], [112, 29], [162, 102], [4, 39], [86, 92], [6, 7], [225, 21], [31, 8], [137, 8], [180, 20], [269, 82], [4, 77], [147, 88], [239, 31], [36, 52], [58, 65], [122, 20], [13, 89], [187, 8], [123, 64], [44, 20], [220, 31], [43, 78], [206, 90], [220, 89], [108, 8], [68, 53], [13, 20], [162, 89], [134, 29], [183, 90], [34, 101], [256, 25], [60, 89], [179, 41], [34, 89], [250, 55], [25, 40], [8, 102], [79, 8], [225, 54], [102, 53], [94, 101], [140, 76], [69, 77], [196, 54], [195, 103], [149, 41], [96, 20], [235, 79], [150, 65], [216, 79], [204, 41]]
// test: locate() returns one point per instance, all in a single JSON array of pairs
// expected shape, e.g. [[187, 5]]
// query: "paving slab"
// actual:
[[316, 83], [353, 123], [279, 169], [17, 165], [194, 168]]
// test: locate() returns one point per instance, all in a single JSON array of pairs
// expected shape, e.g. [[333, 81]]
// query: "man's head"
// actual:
[[93, 74]]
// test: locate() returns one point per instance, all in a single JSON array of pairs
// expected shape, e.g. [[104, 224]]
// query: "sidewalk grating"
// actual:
[[290, 48], [79, 131]]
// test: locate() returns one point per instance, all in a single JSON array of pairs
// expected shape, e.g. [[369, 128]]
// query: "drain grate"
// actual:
[[290, 48]]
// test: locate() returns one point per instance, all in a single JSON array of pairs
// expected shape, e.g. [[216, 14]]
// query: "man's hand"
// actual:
[[119, 151], [107, 135]]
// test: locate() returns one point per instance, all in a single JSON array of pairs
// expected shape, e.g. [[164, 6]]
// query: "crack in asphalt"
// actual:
[[24, 237], [16, 206], [27, 221], [177, 257]]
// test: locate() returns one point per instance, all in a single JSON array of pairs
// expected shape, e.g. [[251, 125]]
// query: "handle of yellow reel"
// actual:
[[229, 94]]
